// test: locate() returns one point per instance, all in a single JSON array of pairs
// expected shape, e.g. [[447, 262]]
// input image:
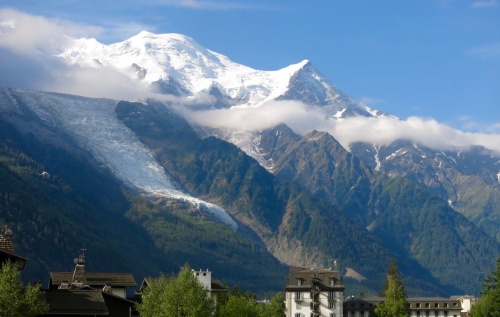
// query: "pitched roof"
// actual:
[[19, 260], [97, 280], [302, 279], [75, 302], [217, 286], [6, 243]]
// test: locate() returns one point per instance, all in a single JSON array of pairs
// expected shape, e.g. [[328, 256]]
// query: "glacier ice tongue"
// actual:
[[93, 125]]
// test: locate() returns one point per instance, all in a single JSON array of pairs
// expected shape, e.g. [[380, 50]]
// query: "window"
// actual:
[[298, 315], [331, 305], [418, 312], [445, 304], [418, 305], [332, 281], [331, 295], [427, 305], [298, 296], [299, 281], [436, 305], [436, 313]]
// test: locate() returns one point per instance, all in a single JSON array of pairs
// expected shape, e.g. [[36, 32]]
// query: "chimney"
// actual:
[[6, 242], [79, 275]]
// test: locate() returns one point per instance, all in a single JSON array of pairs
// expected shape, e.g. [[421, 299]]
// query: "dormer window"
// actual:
[[299, 281], [332, 281]]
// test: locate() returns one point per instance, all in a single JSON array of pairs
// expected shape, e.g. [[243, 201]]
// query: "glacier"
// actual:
[[93, 126]]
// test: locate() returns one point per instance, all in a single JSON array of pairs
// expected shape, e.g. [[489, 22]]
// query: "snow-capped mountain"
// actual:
[[183, 67], [314, 201], [175, 64]]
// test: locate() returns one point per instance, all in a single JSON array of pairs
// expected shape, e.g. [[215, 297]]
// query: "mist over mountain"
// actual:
[[277, 166]]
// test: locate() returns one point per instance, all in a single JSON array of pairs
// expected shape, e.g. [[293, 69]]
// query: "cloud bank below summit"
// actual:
[[24, 63], [302, 119]]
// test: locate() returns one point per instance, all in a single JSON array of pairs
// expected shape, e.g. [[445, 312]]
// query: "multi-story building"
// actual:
[[419, 306], [314, 293]]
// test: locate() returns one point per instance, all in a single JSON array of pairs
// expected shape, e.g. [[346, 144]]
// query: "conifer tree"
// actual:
[[395, 303], [489, 304]]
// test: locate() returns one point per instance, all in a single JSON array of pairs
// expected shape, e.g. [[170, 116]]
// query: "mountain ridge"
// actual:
[[303, 199]]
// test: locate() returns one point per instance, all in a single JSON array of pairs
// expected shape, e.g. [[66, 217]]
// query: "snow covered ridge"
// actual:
[[162, 57], [178, 60], [93, 125]]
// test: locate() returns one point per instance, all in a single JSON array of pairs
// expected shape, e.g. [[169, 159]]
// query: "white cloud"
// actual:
[[28, 34], [484, 4], [302, 119], [27, 47]]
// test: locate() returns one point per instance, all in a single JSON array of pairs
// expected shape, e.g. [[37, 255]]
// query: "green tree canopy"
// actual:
[[394, 304], [275, 308], [16, 300], [238, 306], [489, 305], [175, 297]]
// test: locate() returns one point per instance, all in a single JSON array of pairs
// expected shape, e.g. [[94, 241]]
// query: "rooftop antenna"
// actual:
[[81, 257]]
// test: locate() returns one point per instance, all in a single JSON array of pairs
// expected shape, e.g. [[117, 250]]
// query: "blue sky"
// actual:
[[429, 58]]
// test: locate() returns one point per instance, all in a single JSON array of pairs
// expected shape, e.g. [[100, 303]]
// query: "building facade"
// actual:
[[314, 293], [419, 306]]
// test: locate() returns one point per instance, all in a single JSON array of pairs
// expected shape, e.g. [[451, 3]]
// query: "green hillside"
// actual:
[[83, 206]]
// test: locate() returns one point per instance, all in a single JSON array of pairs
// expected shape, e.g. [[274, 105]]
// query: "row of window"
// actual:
[[312, 315], [300, 295], [436, 305], [300, 281], [436, 313]]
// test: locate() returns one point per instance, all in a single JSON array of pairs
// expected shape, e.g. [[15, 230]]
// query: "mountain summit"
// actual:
[[176, 64]]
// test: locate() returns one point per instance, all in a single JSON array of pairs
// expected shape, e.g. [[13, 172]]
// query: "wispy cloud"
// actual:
[[484, 4], [370, 101], [485, 52], [205, 5]]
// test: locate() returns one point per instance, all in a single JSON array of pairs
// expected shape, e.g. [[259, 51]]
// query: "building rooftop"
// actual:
[[75, 302], [97, 280]]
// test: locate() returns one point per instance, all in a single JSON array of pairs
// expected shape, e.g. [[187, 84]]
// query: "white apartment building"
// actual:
[[314, 293]]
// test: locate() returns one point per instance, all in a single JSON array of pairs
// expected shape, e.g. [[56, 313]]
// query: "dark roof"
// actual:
[[217, 286], [97, 280], [19, 260], [75, 302], [304, 279], [6, 243]]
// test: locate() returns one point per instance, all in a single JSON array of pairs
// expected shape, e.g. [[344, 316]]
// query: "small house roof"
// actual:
[[14, 258], [75, 302], [97, 280]]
